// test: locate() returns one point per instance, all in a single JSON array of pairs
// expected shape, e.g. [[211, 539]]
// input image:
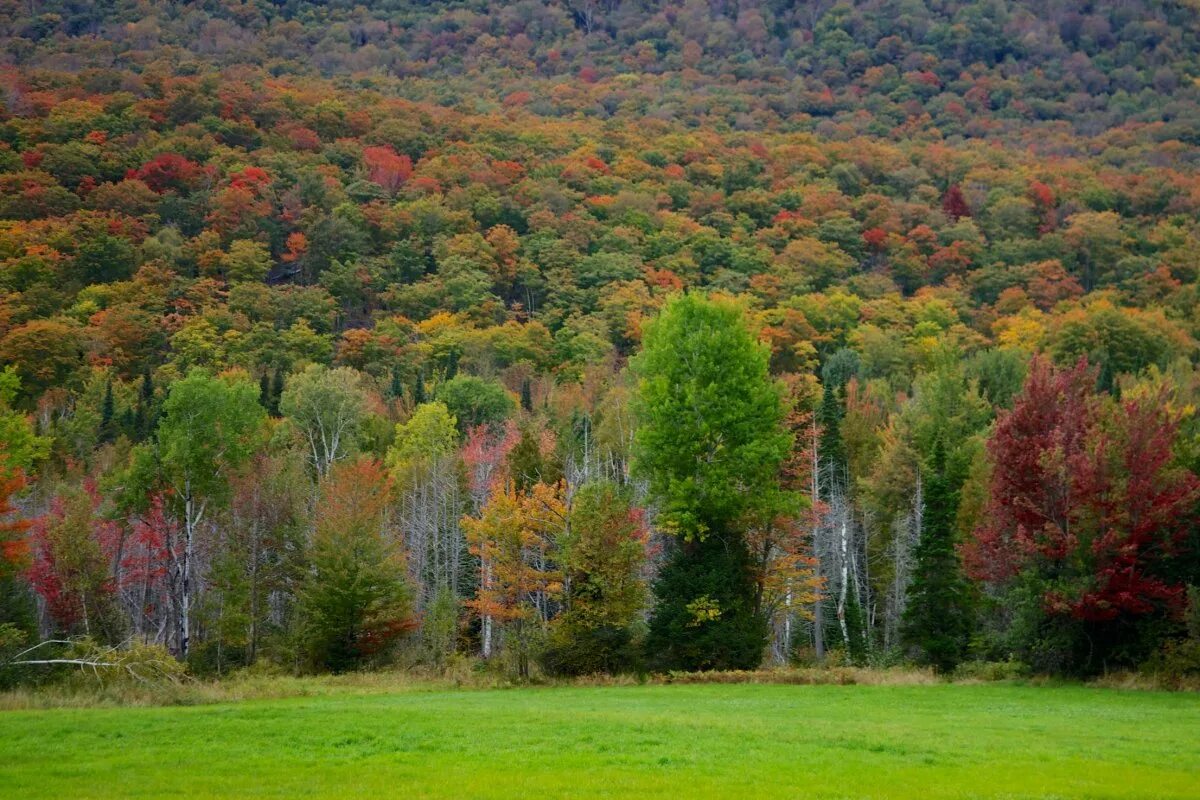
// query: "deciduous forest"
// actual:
[[566, 337]]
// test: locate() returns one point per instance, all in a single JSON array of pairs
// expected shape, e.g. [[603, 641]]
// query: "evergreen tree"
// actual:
[[527, 395], [419, 394], [355, 600], [264, 391], [526, 464], [832, 447], [704, 614], [146, 414], [108, 426], [937, 618], [276, 392]]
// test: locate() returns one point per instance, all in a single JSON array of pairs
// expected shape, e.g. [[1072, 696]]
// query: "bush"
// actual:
[[991, 671], [1176, 661], [439, 633], [572, 651]]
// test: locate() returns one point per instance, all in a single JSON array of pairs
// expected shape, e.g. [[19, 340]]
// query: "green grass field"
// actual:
[[737, 741]]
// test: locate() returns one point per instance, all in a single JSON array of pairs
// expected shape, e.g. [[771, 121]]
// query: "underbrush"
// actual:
[[84, 689]]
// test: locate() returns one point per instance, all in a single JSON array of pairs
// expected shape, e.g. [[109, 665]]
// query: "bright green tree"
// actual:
[[475, 401], [211, 426], [327, 408], [710, 442]]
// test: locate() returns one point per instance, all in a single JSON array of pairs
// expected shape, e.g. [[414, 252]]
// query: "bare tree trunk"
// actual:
[[818, 603]]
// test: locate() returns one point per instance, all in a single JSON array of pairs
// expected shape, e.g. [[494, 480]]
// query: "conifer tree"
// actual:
[[108, 415], [937, 621]]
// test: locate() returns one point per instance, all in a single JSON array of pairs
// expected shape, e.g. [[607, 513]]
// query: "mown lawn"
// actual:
[[636, 741]]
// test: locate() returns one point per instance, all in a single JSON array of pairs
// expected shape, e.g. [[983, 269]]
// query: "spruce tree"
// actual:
[[108, 422], [937, 621], [704, 607], [264, 391], [146, 415], [527, 395], [276, 391]]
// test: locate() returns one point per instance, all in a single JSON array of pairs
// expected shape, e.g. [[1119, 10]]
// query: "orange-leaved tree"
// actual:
[[514, 539]]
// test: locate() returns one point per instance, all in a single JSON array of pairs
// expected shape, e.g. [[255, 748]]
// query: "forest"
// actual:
[[569, 337]]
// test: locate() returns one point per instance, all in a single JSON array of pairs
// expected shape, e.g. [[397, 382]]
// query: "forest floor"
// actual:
[[668, 741]]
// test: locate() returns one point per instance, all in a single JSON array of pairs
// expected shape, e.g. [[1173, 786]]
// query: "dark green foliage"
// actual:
[[526, 463], [264, 391], [608, 649], [832, 445], [108, 425], [937, 618], [277, 381], [704, 608], [527, 395]]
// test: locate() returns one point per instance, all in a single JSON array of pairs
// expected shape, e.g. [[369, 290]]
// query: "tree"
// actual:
[[20, 447], [327, 406], [75, 553], [513, 538], [43, 353], [246, 260], [210, 427], [1086, 506], [17, 621], [603, 555], [423, 461], [710, 443], [954, 204], [936, 621], [354, 601], [255, 559], [475, 401]]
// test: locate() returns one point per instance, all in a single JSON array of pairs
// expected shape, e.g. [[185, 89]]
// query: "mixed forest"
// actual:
[[581, 336]]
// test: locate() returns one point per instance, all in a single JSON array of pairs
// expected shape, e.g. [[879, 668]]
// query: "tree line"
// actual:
[[706, 517]]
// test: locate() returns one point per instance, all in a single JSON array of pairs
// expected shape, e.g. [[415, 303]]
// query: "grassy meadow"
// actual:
[[668, 741]]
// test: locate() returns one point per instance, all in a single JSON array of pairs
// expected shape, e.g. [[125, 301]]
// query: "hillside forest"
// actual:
[[584, 336]]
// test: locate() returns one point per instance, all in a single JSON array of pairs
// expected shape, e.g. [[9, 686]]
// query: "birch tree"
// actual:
[[424, 463], [327, 407], [210, 427]]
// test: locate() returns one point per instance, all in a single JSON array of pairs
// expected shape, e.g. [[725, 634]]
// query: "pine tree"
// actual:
[[526, 464], [704, 614], [108, 415], [355, 601], [276, 391], [832, 447], [527, 395], [937, 618], [145, 416], [264, 391], [419, 394]]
